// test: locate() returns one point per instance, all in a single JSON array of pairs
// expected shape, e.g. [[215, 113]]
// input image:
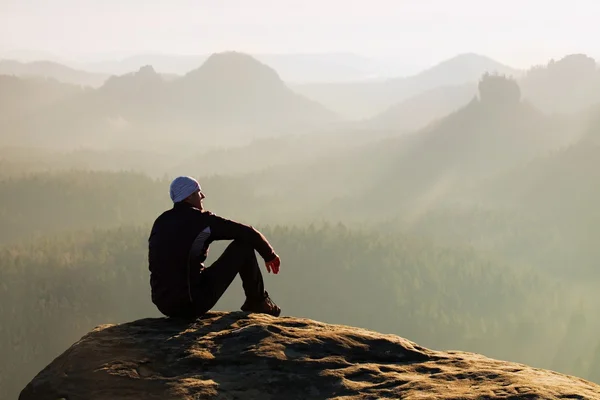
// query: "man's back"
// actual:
[[169, 245]]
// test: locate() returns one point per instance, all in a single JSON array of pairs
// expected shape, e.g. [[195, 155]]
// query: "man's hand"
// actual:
[[273, 265]]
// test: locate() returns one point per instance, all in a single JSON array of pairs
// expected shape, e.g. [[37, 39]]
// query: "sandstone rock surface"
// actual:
[[253, 356]]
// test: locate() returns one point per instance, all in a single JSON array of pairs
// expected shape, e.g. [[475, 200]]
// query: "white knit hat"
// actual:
[[182, 187]]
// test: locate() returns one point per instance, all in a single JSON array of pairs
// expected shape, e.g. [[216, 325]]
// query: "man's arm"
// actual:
[[226, 229]]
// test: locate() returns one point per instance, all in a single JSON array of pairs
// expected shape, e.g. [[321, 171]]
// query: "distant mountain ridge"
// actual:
[[230, 95], [566, 86], [241, 93], [360, 100], [291, 67], [570, 84]]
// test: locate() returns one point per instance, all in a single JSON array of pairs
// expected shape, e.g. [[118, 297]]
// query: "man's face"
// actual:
[[196, 200]]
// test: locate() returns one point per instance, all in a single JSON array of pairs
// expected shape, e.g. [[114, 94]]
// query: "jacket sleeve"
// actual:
[[226, 229]]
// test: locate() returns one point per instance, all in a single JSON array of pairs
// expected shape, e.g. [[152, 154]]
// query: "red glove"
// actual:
[[273, 265]]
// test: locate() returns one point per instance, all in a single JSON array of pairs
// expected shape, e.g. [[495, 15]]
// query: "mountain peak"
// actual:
[[243, 91], [466, 66], [471, 56], [146, 71], [244, 356], [145, 77], [236, 68], [232, 56]]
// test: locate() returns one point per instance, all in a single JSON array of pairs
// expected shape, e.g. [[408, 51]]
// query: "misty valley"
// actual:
[[457, 207]]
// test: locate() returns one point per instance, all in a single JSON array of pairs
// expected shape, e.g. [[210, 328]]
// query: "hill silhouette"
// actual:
[[559, 190], [52, 70], [493, 133], [231, 96], [249, 356], [20, 98], [358, 100], [422, 109], [568, 85], [559, 179], [244, 91], [463, 68]]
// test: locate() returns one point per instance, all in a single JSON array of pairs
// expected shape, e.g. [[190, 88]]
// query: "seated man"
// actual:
[[178, 246]]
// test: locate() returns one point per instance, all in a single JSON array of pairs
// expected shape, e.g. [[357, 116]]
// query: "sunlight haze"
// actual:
[[424, 169], [519, 33]]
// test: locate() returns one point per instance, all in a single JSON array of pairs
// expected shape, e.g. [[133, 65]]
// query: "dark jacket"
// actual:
[[178, 247]]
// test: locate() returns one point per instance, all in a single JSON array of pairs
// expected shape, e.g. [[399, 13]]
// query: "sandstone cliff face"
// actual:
[[252, 356]]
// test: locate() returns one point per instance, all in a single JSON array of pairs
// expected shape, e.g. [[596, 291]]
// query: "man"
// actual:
[[178, 246]]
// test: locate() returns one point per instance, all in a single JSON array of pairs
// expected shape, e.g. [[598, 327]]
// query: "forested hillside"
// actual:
[[54, 202], [55, 289]]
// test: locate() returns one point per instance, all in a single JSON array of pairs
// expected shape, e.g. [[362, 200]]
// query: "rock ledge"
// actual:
[[253, 356]]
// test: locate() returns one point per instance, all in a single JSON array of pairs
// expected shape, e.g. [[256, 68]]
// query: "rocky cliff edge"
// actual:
[[253, 356]]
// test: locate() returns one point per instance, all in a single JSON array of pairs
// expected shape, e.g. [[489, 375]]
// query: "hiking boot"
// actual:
[[263, 306]]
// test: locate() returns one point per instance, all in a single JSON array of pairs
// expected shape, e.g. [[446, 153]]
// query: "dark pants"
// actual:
[[213, 281]]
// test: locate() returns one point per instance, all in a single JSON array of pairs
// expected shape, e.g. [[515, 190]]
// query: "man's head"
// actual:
[[186, 188]]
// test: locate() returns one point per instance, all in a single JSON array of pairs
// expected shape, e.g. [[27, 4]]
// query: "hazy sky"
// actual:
[[517, 32]]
